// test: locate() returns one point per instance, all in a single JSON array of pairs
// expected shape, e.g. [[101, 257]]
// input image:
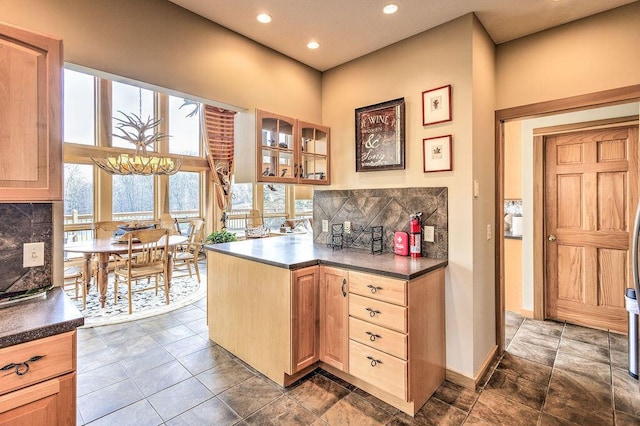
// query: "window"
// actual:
[[78, 200], [132, 197], [79, 110], [184, 126], [241, 196], [129, 99], [303, 196], [274, 205], [184, 194]]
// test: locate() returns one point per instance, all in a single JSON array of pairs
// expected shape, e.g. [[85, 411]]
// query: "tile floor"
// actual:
[[164, 370]]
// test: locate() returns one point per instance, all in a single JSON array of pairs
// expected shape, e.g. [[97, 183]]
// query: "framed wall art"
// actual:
[[436, 105], [436, 154], [380, 136]]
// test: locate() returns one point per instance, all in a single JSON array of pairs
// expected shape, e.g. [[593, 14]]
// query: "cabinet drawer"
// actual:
[[380, 313], [377, 337], [378, 287], [379, 369], [58, 355]]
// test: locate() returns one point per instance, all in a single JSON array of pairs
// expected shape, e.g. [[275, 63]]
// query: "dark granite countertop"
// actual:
[[299, 251], [36, 318]]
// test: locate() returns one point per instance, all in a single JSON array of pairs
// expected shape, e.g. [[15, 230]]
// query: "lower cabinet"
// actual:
[[334, 314], [40, 386], [305, 337]]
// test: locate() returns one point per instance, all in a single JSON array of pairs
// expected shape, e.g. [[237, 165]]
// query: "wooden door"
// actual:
[[334, 316], [591, 192], [304, 318], [30, 116]]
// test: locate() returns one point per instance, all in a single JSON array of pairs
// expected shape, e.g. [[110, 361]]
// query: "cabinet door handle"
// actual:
[[344, 287], [373, 336], [374, 361], [373, 312], [21, 368], [373, 289]]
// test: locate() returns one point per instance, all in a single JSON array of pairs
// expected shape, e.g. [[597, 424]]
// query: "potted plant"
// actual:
[[223, 236]]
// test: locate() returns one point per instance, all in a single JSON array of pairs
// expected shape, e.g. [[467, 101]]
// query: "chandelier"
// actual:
[[142, 134]]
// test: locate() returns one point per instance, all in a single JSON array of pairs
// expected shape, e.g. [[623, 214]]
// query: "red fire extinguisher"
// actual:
[[415, 235]]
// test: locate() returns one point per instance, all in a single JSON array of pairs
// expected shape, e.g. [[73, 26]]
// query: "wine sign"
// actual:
[[380, 136]]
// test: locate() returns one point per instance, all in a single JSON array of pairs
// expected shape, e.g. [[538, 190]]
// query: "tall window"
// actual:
[[274, 205], [79, 110], [129, 99], [132, 197], [184, 126], [78, 200], [184, 194]]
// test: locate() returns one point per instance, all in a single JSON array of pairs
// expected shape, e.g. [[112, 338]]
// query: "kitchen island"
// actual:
[[287, 306]]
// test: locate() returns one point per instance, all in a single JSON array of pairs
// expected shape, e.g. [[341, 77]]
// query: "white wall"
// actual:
[[528, 127]]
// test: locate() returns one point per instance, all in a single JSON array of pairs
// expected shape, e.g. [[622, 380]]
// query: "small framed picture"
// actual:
[[436, 153], [436, 105]]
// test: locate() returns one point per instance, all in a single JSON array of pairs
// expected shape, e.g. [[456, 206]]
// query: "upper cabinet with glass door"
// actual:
[[291, 151]]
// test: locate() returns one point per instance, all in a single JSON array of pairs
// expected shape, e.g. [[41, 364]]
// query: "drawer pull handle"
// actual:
[[343, 287], [373, 312], [373, 336], [373, 289], [374, 361], [21, 368]]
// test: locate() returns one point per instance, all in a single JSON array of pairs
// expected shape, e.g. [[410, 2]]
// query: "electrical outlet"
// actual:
[[429, 234], [32, 254], [325, 225], [347, 227]]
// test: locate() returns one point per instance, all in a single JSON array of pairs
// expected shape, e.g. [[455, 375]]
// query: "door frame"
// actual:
[[574, 103]]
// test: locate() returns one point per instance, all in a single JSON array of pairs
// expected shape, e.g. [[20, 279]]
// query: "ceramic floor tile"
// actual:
[[210, 412], [498, 410], [172, 334], [219, 379], [179, 398], [90, 344], [140, 413], [627, 401], [191, 315], [137, 364], [375, 401], [204, 359], [98, 359], [532, 352], [161, 377], [108, 399], [618, 342], [283, 411], [139, 346], [549, 420], [529, 370], [517, 389], [584, 350], [355, 410], [158, 323], [98, 378], [198, 326], [623, 419], [619, 359], [578, 399], [457, 396], [542, 340], [513, 319], [586, 335], [622, 380], [249, 396], [337, 379], [434, 412], [318, 394], [188, 345], [550, 328], [594, 370]]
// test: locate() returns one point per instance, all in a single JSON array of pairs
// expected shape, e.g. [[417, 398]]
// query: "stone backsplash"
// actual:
[[388, 207], [24, 223]]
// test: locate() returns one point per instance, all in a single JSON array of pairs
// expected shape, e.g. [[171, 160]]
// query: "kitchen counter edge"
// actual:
[[34, 319]]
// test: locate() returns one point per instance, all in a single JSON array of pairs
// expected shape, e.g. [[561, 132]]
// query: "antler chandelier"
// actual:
[[142, 134]]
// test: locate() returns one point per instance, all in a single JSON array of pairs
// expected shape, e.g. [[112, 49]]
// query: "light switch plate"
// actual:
[[325, 225], [32, 255], [429, 234]]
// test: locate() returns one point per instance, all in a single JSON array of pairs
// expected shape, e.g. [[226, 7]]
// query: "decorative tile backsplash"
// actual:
[[390, 208], [24, 223]]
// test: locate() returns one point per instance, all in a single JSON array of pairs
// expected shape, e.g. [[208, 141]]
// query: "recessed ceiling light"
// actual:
[[265, 18], [390, 9], [313, 45]]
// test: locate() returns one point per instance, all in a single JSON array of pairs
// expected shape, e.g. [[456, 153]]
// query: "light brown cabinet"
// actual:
[[30, 116], [291, 151], [334, 314], [305, 345], [40, 386]]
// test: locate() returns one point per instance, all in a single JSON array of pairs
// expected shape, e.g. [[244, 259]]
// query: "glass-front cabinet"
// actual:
[[291, 151]]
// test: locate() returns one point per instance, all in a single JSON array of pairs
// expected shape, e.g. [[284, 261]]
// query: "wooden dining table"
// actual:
[[105, 247]]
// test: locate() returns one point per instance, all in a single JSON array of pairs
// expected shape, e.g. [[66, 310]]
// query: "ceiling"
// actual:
[[348, 29]]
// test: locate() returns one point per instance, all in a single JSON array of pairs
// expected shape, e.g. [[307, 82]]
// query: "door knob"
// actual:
[[552, 238]]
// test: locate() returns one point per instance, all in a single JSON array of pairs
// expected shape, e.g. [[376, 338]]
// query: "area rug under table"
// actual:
[[184, 290]]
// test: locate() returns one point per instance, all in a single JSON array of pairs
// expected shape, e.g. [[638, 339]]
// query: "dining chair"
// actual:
[[106, 229], [187, 254], [147, 257], [73, 277], [168, 222]]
